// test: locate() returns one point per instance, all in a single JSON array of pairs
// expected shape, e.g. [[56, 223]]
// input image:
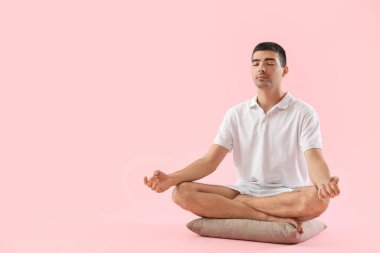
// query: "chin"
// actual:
[[262, 85]]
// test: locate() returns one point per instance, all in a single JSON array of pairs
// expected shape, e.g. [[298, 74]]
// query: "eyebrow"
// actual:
[[266, 59]]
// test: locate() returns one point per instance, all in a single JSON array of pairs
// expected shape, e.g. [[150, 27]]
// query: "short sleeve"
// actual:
[[310, 134], [224, 134]]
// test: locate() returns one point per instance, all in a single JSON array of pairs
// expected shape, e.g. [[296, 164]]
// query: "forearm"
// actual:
[[196, 170], [319, 173]]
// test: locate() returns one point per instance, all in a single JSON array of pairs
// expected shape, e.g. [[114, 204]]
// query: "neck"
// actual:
[[268, 98]]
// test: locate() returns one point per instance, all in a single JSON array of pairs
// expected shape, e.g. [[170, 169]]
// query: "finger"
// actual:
[[145, 180], [330, 192], [156, 188], [156, 173], [320, 193], [150, 182], [334, 179], [154, 184], [336, 188], [324, 192]]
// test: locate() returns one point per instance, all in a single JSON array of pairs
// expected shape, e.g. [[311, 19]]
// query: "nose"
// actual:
[[261, 68]]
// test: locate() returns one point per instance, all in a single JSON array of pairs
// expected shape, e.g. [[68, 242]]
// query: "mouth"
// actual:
[[262, 77]]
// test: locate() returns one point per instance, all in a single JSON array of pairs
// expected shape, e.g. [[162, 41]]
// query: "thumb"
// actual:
[[336, 179], [156, 173]]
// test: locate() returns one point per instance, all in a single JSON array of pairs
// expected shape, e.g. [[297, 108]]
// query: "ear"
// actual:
[[285, 71]]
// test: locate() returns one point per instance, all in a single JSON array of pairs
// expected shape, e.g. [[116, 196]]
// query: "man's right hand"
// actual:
[[159, 182]]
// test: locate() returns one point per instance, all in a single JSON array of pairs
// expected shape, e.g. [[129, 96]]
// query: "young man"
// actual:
[[277, 144]]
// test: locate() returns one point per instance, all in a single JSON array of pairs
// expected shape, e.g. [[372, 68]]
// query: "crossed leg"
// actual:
[[302, 203], [216, 201]]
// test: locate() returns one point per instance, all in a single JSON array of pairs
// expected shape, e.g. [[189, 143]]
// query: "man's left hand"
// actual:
[[329, 188]]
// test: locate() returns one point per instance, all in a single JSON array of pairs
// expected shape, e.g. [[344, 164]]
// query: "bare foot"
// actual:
[[295, 223]]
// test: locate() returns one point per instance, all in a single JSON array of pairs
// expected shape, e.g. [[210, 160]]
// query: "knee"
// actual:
[[181, 194], [311, 206]]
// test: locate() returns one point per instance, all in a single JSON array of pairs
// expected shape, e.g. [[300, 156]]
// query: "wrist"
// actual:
[[174, 179]]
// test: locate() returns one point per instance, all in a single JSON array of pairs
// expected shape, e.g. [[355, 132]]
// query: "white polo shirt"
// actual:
[[268, 149]]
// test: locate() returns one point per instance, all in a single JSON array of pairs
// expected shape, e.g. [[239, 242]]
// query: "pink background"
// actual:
[[95, 95]]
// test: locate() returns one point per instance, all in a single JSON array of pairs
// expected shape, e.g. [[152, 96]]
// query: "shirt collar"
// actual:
[[283, 104]]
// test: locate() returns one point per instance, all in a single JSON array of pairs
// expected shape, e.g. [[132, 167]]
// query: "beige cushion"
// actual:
[[253, 230]]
